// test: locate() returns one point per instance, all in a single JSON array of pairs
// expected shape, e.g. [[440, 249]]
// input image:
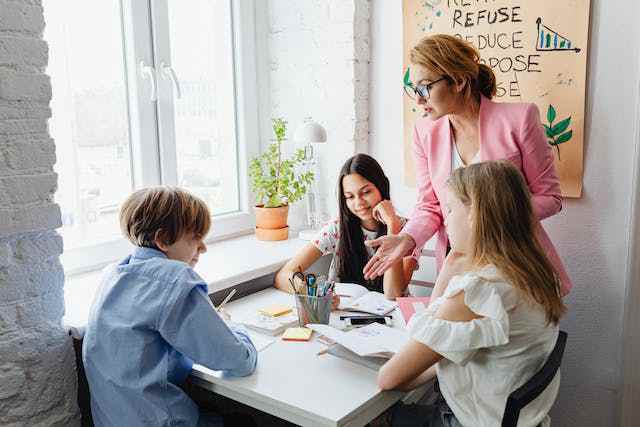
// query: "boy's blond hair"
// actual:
[[504, 230], [166, 213]]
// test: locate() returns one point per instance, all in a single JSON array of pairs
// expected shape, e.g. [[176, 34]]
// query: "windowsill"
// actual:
[[226, 263]]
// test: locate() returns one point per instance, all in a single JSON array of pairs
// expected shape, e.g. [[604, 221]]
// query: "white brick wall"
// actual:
[[314, 62], [37, 372]]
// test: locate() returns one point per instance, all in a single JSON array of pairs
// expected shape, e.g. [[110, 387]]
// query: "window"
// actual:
[[147, 92]]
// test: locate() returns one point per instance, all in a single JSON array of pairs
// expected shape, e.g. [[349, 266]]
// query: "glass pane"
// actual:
[[202, 57], [89, 120]]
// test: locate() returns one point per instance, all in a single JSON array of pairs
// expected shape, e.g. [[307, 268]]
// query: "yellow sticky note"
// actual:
[[275, 310], [297, 334]]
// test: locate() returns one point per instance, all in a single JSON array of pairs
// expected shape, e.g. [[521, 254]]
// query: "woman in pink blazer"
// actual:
[[461, 125]]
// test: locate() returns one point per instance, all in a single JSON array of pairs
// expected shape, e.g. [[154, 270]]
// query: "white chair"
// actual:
[[423, 280]]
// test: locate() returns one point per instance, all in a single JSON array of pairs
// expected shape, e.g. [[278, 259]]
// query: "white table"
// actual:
[[294, 383]]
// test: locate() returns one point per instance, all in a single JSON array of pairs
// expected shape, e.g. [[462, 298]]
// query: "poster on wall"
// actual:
[[538, 52]]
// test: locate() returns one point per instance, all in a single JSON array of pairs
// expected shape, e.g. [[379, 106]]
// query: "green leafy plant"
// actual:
[[406, 80], [556, 133], [274, 179]]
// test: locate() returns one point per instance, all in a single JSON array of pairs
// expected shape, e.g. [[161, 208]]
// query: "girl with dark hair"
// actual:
[[365, 213]]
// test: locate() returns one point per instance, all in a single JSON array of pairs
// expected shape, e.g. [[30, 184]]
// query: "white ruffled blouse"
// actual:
[[486, 359]]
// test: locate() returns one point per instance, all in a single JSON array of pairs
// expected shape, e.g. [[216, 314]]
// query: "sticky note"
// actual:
[[297, 334], [275, 310]]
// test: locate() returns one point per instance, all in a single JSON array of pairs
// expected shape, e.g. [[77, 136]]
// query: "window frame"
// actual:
[[147, 140]]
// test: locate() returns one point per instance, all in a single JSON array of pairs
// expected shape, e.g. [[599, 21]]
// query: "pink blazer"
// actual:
[[507, 131]]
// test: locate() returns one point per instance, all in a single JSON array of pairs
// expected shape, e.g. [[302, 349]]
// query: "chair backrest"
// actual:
[[423, 279], [536, 385], [84, 396]]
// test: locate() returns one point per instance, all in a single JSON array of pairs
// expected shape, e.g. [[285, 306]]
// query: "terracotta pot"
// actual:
[[271, 218], [272, 234]]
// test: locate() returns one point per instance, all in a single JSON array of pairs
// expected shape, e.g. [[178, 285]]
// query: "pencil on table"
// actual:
[[323, 351], [222, 304]]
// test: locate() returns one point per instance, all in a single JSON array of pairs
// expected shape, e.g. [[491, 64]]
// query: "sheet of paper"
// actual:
[[384, 337], [356, 344], [418, 307], [372, 302], [368, 340], [260, 341], [411, 305], [349, 291]]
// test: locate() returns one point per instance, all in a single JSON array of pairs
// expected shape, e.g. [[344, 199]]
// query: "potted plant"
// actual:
[[276, 184]]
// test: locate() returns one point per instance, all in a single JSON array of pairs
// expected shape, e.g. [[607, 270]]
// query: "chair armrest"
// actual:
[[422, 283]]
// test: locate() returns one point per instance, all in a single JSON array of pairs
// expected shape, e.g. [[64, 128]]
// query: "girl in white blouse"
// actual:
[[365, 213], [497, 320]]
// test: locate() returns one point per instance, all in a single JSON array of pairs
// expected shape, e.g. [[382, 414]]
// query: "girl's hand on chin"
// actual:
[[385, 213]]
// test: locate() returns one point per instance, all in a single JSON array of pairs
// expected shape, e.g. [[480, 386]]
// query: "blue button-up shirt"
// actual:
[[150, 321]]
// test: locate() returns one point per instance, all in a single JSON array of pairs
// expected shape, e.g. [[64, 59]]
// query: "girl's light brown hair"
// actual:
[[167, 213], [458, 60], [504, 230]]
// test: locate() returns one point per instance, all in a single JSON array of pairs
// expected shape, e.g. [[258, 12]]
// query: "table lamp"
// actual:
[[311, 133]]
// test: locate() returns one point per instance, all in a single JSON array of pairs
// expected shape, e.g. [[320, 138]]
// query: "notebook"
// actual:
[[354, 297], [410, 305], [267, 324], [275, 310], [370, 362], [373, 340], [260, 342]]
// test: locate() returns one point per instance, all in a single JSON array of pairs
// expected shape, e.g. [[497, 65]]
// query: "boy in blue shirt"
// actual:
[[152, 318]]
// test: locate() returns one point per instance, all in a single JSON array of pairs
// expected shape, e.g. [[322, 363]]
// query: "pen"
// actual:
[[365, 316], [226, 300], [323, 351], [293, 286]]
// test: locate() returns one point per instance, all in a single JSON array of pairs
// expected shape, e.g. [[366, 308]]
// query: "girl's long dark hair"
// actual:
[[351, 251]]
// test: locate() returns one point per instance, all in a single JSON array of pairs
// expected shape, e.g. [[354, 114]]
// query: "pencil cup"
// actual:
[[313, 309]]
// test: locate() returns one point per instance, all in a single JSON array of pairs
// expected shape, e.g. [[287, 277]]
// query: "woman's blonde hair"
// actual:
[[459, 61], [166, 213], [504, 228]]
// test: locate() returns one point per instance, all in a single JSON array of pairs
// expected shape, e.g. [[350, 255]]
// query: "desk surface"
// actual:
[[294, 383]]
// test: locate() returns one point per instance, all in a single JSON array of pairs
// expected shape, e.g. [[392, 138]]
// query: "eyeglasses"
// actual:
[[421, 90]]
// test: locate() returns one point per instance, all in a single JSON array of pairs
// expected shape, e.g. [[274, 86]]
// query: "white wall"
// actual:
[[590, 233], [37, 375], [313, 60]]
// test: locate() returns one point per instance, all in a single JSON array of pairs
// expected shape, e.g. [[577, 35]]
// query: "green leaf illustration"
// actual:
[[551, 114], [564, 137], [407, 78], [561, 126], [552, 131]]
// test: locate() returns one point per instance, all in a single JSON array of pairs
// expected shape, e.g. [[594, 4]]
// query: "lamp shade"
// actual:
[[310, 131]]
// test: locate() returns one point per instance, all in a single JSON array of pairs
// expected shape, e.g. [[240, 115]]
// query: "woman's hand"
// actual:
[[385, 213], [391, 249]]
